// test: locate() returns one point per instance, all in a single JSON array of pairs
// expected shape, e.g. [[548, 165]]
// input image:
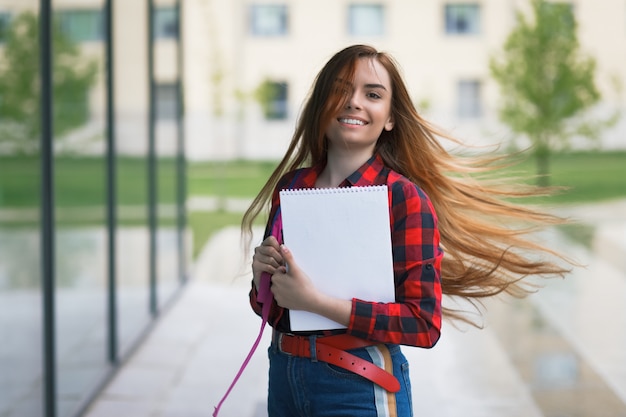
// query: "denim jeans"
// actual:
[[306, 387]]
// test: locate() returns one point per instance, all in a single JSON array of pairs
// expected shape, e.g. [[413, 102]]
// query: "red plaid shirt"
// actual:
[[415, 317]]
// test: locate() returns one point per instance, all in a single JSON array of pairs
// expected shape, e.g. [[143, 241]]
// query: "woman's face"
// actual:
[[367, 110]]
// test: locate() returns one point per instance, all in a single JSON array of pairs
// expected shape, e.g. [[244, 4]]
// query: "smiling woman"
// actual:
[[359, 128]]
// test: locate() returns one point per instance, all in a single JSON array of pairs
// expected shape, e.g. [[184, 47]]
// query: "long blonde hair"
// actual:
[[485, 237]]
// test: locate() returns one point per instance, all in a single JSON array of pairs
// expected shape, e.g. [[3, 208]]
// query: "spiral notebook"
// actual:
[[341, 238]]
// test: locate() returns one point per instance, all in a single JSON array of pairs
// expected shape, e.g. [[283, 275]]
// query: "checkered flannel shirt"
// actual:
[[415, 317]]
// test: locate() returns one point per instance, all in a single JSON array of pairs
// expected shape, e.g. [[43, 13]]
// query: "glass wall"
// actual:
[[165, 93], [90, 205], [132, 120], [21, 317], [80, 233]]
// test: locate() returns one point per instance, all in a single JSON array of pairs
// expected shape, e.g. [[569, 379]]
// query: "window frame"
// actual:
[[276, 107], [166, 99], [258, 23], [469, 98], [355, 8], [73, 33], [164, 29], [453, 23]]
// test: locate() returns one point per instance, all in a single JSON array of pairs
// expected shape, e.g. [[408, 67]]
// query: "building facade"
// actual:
[[235, 47], [251, 63]]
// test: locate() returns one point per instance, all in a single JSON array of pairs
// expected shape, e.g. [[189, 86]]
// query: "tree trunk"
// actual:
[[543, 166]]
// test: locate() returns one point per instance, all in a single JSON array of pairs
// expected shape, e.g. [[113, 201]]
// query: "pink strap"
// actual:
[[264, 296]]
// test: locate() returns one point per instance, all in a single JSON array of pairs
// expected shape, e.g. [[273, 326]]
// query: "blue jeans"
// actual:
[[306, 387]]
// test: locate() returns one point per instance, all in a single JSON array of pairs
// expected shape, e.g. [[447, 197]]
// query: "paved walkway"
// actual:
[[187, 362]]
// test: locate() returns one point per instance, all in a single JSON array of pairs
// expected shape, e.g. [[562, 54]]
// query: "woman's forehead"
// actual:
[[367, 72]]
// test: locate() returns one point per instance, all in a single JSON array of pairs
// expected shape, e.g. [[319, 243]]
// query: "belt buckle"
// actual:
[[279, 343], [294, 345]]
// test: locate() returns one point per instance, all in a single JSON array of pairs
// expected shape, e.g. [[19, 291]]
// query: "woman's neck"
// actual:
[[339, 166]]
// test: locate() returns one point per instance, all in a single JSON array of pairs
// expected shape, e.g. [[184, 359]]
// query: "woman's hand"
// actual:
[[291, 287], [266, 258], [294, 290]]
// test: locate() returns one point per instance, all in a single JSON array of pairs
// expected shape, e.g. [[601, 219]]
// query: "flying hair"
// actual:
[[486, 236]]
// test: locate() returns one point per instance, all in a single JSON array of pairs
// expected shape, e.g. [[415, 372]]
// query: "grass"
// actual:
[[232, 179], [80, 182], [585, 176], [588, 176]]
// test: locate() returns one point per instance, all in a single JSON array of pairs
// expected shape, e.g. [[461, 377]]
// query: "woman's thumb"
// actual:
[[287, 256], [285, 252]]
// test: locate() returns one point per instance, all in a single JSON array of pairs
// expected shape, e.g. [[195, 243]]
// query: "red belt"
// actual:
[[332, 349]]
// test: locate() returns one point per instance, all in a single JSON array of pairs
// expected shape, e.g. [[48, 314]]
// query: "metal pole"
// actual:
[[152, 164], [181, 166], [47, 206], [111, 185]]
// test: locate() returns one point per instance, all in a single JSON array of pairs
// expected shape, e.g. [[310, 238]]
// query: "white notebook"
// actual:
[[341, 238]]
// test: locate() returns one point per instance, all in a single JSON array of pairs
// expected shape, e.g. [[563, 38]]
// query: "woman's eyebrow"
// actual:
[[376, 86], [367, 85]]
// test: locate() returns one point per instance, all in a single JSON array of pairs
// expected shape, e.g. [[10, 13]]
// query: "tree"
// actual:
[[547, 83], [20, 89]]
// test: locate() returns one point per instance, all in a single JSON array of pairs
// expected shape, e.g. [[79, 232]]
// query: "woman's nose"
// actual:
[[353, 102]]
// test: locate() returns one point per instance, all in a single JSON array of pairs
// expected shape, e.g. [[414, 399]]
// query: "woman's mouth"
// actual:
[[351, 121]]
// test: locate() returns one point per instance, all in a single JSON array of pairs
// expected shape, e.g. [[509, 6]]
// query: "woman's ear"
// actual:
[[389, 124]]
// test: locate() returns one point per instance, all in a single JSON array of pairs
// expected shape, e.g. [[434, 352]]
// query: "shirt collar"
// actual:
[[365, 175]]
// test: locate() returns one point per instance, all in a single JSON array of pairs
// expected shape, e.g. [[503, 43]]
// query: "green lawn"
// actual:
[[233, 179], [589, 176], [80, 182]]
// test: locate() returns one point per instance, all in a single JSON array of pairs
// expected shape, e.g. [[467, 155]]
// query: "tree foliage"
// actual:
[[73, 76], [547, 82]]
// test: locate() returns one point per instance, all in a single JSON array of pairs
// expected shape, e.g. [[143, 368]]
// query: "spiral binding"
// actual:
[[336, 190]]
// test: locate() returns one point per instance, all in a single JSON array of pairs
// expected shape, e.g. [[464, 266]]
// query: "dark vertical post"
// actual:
[[181, 166], [47, 206], [152, 164], [111, 185]]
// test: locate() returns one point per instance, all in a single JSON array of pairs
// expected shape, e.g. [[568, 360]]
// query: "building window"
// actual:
[[82, 25], [462, 19], [469, 99], [165, 23], [166, 99], [272, 96], [5, 23], [268, 20], [366, 20]]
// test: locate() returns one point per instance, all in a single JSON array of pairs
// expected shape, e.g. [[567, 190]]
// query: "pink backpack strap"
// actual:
[[265, 297]]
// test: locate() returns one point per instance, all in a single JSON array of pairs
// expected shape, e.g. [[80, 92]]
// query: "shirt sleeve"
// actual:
[[415, 317]]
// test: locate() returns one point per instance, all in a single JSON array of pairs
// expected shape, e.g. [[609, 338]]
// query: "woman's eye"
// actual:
[[373, 95]]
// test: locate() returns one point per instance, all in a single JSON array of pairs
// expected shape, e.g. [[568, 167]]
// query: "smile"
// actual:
[[355, 122]]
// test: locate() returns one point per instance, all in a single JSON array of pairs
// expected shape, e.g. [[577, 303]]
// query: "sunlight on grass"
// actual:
[[589, 177]]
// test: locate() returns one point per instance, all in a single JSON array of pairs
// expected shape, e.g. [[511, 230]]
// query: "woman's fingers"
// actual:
[[267, 258], [269, 252]]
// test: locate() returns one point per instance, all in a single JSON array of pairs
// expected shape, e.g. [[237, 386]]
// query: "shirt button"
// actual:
[[429, 266]]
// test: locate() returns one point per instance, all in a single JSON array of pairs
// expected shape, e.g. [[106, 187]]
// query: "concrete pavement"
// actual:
[[187, 362]]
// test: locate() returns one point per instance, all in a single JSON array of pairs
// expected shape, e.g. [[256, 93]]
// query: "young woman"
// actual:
[[359, 128]]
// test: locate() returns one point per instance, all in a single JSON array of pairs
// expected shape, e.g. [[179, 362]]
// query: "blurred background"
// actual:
[[134, 132]]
